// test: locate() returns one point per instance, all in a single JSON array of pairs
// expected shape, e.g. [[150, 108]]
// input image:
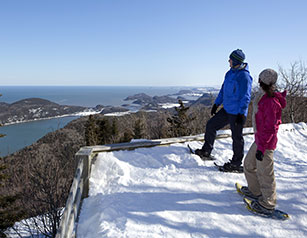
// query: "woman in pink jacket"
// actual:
[[259, 163]]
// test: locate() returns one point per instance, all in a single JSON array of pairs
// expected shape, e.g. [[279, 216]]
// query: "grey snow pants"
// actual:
[[260, 176]]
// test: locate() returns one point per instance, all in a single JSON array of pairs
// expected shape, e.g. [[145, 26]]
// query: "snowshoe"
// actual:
[[255, 208]]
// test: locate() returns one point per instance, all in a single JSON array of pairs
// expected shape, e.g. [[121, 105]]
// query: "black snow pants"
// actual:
[[217, 122]]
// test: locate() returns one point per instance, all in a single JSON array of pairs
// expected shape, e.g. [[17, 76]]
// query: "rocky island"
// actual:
[[151, 103], [202, 96], [34, 109]]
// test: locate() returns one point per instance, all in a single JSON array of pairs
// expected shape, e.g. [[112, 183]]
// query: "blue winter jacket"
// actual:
[[235, 93]]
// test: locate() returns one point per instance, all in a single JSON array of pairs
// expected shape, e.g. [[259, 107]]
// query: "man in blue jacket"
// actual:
[[235, 96]]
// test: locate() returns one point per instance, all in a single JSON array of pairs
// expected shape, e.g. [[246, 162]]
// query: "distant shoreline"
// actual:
[[78, 114]]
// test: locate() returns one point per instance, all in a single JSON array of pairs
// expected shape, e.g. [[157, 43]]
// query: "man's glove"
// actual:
[[259, 155], [240, 119], [213, 109]]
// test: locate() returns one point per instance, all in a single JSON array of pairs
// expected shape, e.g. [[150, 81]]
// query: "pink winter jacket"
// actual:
[[268, 119]]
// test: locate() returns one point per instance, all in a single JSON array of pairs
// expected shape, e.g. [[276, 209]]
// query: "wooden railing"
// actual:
[[80, 186]]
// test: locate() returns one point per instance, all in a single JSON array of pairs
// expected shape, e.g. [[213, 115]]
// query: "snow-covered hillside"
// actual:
[[167, 192]]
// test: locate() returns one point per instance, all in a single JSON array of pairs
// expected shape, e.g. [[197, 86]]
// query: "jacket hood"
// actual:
[[281, 97]]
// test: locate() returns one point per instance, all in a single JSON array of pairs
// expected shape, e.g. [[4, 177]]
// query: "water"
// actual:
[[20, 135], [88, 96]]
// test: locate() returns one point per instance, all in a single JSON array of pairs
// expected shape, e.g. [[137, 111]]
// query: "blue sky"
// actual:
[[145, 42]]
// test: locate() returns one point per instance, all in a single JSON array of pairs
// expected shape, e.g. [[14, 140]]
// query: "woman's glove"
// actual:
[[259, 155]]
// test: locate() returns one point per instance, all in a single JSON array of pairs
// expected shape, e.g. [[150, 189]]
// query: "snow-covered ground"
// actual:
[[168, 192]]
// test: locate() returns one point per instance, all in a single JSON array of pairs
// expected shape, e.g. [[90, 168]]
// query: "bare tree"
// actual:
[[294, 81], [44, 192], [9, 212]]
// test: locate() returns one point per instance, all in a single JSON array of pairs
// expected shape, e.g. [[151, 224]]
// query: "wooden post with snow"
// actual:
[[78, 191]]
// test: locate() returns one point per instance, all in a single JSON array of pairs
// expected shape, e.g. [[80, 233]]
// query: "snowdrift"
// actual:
[[167, 192]]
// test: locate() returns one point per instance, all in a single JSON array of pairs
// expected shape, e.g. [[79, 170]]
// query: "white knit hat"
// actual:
[[268, 76]]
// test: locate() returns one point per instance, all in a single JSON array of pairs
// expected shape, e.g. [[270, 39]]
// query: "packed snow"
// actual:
[[165, 191]]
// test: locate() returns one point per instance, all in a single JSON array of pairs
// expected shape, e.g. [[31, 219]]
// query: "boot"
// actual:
[[204, 155]]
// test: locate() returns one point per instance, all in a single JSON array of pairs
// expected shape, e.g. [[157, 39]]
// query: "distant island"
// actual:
[[31, 109], [35, 109], [191, 97]]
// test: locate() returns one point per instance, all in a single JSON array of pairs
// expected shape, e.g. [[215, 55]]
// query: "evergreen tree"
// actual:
[[91, 137], [126, 137], [138, 129], [180, 121], [99, 132], [114, 131], [104, 132]]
